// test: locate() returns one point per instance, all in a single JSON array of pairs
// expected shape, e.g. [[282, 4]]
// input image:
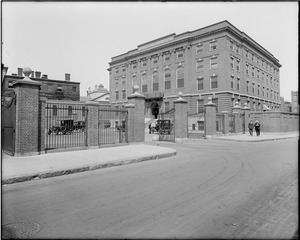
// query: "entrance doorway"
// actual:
[[155, 109]]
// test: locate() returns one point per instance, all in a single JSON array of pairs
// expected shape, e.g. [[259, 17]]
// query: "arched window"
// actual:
[[167, 79], [180, 77], [144, 83], [134, 82], [155, 84]]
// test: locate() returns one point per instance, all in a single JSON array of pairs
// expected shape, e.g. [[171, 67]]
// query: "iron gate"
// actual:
[[231, 118], [166, 126], [8, 123], [220, 122], [65, 125], [112, 126]]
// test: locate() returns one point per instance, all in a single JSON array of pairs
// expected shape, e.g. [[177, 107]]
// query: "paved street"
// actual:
[[215, 189]]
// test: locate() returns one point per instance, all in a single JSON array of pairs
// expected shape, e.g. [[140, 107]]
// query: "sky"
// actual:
[[80, 38]]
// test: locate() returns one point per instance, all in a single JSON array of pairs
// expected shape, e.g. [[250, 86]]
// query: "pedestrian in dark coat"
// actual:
[[257, 128], [250, 127]]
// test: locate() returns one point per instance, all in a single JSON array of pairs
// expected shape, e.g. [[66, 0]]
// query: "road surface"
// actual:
[[210, 189]]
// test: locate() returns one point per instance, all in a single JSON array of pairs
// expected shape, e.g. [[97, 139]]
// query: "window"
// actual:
[[83, 111], [247, 54], [247, 69], [253, 70], [167, 79], [237, 49], [167, 57], [232, 82], [117, 95], [238, 84], [271, 80], [167, 106], [200, 106], [54, 110], [155, 60], [263, 91], [258, 74], [215, 101], [213, 46], [267, 92], [117, 70], [155, 81], [134, 65], [179, 53], [214, 63], [70, 110], [180, 77], [263, 76], [247, 86], [134, 82], [258, 90], [74, 89], [253, 88], [232, 63], [199, 66], [200, 82], [199, 48], [238, 65], [214, 82], [231, 46], [144, 63], [144, 83], [124, 94]]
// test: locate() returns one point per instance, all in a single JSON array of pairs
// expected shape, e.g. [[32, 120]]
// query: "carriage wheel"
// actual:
[[63, 129]]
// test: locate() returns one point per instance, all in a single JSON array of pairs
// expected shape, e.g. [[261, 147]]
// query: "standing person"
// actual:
[[150, 128], [251, 126], [257, 127]]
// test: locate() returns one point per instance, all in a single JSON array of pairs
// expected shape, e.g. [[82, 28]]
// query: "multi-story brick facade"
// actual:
[[217, 61], [50, 88]]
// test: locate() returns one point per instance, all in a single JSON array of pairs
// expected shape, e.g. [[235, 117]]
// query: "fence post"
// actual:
[[27, 115], [92, 121], [139, 115], [210, 119], [181, 126], [226, 122], [130, 122], [236, 110], [246, 110], [42, 125]]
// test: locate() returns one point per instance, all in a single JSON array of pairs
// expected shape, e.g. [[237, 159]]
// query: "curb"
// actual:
[[261, 140], [43, 175]]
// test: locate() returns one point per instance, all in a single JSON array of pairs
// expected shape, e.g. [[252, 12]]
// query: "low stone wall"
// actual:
[[273, 121]]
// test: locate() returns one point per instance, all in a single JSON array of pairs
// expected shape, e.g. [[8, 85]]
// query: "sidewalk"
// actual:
[[21, 169], [264, 136]]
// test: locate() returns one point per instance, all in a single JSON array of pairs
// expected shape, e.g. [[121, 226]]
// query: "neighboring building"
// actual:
[[295, 102], [99, 94], [51, 89], [217, 61], [287, 106]]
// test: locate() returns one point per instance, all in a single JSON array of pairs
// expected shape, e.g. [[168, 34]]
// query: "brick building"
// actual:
[[294, 103], [217, 61], [50, 88]]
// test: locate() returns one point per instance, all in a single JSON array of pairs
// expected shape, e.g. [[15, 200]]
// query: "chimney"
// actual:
[[20, 72], [45, 76], [67, 76], [38, 74]]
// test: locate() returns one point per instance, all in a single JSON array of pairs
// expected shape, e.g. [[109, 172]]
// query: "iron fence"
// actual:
[[65, 125], [220, 122], [231, 118], [166, 126], [112, 126]]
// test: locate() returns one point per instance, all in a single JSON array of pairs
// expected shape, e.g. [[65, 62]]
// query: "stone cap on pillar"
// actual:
[[237, 106], [89, 102], [180, 99], [129, 105], [26, 80], [136, 94], [210, 103]]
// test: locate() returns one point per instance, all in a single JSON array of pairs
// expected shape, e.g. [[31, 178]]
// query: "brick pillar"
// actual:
[[246, 113], [138, 100], [181, 121], [210, 119], [130, 122], [226, 122], [27, 115], [237, 110], [92, 120]]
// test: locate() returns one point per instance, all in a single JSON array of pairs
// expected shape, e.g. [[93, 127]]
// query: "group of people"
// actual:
[[256, 126]]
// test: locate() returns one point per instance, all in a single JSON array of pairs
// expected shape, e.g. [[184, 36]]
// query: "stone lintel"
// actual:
[[180, 101]]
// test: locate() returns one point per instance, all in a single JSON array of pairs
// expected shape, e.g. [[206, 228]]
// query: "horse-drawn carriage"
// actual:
[[162, 127], [67, 126]]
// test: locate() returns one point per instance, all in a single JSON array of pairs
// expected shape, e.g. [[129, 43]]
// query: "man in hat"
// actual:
[[257, 127], [250, 127]]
